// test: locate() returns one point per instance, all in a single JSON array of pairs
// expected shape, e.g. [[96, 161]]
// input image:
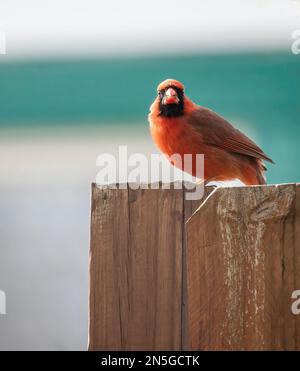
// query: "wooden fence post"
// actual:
[[136, 269], [227, 286], [243, 265]]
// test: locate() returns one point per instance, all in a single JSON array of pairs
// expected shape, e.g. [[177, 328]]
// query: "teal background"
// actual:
[[262, 90], [57, 117], [76, 82]]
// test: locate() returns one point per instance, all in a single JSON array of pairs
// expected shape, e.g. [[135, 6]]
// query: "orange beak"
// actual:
[[170, 97]]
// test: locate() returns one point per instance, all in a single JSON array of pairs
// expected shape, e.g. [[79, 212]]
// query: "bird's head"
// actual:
[[171, 98]]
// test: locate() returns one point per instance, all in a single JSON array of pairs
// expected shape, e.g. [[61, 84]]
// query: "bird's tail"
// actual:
[[261, 178]]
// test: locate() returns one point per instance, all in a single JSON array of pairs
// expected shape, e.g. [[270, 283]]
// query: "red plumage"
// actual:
[[192, 129]]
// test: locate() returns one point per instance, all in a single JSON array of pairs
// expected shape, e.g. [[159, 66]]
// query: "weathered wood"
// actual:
[[189, 208], [243, 265], [136, 269], [218, 273]]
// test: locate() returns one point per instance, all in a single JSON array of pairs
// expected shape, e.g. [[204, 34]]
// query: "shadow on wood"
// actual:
[[239, 263]]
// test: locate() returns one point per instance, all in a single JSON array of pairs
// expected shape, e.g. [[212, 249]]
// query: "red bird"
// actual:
[[179, 126]]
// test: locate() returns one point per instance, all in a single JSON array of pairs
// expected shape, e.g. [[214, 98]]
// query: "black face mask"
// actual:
[[173, 109]]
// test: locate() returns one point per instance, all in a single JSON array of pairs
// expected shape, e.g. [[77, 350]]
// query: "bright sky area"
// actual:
[[133, 27]]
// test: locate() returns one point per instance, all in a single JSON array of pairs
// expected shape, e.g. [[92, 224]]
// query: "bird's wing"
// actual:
[[218, 132]]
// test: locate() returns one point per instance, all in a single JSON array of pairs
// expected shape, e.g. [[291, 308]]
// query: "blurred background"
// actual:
[[76, 81]]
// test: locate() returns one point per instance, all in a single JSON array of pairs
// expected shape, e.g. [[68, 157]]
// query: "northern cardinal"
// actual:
[[179, 126]]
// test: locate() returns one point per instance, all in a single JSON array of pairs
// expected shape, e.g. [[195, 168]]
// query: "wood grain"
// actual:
[[136, 269], [189, 208], [243, 263], [218, 273]]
